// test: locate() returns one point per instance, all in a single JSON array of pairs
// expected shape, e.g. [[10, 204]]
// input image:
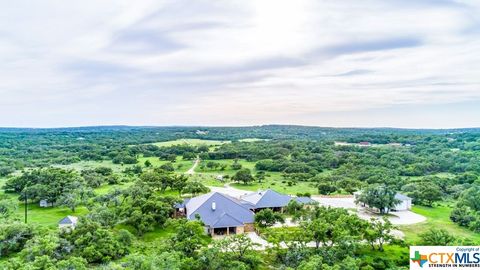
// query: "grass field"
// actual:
[[85, 165], [228, 170], [437, 217], [194, 142], [277, 185], [180, 165], [274, 180]]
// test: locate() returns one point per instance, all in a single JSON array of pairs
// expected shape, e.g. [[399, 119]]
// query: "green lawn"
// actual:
[[49, 216], [437, 217], [107, 188]]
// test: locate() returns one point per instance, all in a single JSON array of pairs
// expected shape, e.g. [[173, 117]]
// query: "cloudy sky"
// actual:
[[395, 63]]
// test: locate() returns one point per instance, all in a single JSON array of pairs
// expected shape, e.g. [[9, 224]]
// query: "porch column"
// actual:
[[228, 231]]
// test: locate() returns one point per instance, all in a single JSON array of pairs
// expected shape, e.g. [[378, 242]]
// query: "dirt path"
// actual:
[[191, 171]]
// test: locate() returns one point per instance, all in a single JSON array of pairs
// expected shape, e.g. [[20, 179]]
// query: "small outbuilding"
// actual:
[[44, 203], [404, 204], [69, 222]]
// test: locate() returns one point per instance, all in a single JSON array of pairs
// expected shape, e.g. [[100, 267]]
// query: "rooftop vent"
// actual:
[[214, 206]]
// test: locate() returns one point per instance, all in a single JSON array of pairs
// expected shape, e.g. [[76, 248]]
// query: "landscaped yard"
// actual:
[[438, 218]]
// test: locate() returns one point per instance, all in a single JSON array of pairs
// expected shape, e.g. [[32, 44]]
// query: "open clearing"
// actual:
[[439, 218], [195, 142]]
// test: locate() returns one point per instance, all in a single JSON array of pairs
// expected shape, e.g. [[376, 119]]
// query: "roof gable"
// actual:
[[227, 212], [68, 220], [267, 198]]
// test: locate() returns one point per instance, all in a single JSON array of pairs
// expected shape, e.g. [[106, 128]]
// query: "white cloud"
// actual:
[[233, 62]]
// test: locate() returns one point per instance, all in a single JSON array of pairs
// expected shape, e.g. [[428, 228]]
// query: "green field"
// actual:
[[180, 165], [439, 218], [195, 142], [275, 184], [86, 165], [228, 171], [273, 180]]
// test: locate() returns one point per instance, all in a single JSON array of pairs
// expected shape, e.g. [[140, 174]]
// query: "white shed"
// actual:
[[404, 204], [43, 203], [69, 222]]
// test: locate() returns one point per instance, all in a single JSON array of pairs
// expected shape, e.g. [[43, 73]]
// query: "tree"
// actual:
[[267, 218], [168, 167], [188, 237], [73, 263], [240, 247], [13, 236], [437, 237], [71, 200], [148, 164], [260, 176], [333, 226], [194, 188], [178, 183], [97, 244], [7, 208], [236, 166], [381, 197], [326, 188], [379, 232], [243, 175]]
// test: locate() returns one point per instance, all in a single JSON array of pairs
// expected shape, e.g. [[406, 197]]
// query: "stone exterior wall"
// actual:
[[249, 227], [240, 230]]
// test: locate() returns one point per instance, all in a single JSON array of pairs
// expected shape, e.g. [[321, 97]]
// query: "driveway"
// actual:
[[347, 203], [227, 189], [191, 171], [397, 218]]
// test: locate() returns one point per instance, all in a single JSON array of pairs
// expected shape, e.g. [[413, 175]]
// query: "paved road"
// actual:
[[231, 191]]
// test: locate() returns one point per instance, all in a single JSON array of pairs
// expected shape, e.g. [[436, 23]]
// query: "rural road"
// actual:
[[192, 169]]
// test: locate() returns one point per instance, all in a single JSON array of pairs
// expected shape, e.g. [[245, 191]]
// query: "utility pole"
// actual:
[[26, 199]]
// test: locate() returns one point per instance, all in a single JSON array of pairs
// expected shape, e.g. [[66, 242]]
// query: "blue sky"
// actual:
[[394, 63]]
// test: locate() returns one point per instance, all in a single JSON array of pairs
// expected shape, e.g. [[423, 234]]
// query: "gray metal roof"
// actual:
[[267, 198], [68, 220], [400, 196], [228, 211], [305, 200]]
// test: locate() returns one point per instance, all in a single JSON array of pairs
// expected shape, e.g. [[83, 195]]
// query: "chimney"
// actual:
[[214, 206]]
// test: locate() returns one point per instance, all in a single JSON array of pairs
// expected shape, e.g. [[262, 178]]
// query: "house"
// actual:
[[69, 222], [44, 203], [221, 214], [266, 199], [404, 204]]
